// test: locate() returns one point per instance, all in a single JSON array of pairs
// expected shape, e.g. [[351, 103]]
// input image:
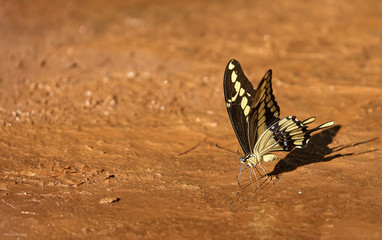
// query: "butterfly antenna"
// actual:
[[226, 149]]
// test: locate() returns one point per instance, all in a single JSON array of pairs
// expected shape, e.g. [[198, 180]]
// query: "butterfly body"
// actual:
[[256, 158], [254, 115]]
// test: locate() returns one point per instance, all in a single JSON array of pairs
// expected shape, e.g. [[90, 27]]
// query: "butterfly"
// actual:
[[255, 118]]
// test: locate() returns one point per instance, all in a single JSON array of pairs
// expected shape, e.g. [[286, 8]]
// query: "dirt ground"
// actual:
[[110, 113]]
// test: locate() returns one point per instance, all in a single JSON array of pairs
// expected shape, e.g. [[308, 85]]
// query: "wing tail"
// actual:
[[322, 126]]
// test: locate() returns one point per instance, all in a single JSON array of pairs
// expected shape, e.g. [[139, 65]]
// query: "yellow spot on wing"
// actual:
[[291, 128], [242, 91], [233, 76], [282, 121], [231, 65], [261, 120], [262, 96], [244, 102], [328, 124], [309, 120], [295, 133], [262, 112], [266, 75], [297, 137], [246, 111], [262, 105], [237, 88], [286, 124], [263, 85]]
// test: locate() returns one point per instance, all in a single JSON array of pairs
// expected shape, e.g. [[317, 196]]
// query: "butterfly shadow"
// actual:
[[316, 151]]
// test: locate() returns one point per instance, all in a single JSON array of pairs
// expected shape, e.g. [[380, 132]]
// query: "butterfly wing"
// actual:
[[239, 94], [287, 134], [291, 133], [265, 110]]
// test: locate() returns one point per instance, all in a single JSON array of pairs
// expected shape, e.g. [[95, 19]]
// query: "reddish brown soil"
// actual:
[[110, 112]]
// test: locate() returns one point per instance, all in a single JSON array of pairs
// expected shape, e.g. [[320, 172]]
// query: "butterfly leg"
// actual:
[[265, 173], [238, 175], [250, 177], [259, 172]]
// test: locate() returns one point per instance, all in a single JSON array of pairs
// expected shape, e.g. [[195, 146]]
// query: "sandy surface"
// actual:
[[110, 112]]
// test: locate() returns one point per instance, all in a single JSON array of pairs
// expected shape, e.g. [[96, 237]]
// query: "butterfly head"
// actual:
[[244, 159], [251, 159]]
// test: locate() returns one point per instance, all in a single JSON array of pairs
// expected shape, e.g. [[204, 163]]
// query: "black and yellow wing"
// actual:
[[238, 93], [251, 111], [287, 134], [265, 110]]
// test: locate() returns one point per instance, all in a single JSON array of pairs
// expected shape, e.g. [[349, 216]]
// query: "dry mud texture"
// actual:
[[110, 112]]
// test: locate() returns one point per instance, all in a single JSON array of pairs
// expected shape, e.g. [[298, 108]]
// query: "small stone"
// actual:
[[109, 200]]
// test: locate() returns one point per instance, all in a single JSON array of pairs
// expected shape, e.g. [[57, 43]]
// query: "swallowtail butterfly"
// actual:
[[255, 118]]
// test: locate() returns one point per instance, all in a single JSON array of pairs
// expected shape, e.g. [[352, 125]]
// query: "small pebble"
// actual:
[[109, 200]]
